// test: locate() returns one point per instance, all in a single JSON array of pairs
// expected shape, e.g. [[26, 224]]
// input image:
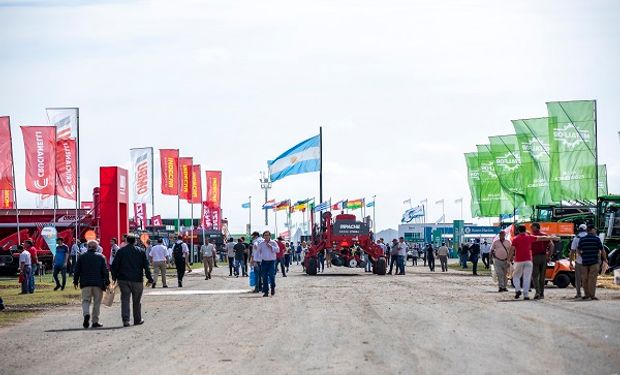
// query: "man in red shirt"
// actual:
[[540, 253], [280, 256], [29, 247], [521, 254]]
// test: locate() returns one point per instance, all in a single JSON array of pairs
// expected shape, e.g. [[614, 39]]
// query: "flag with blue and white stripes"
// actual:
[[324, 206], [304, 157]]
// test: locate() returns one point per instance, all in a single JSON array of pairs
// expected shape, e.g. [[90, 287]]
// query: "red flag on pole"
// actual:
[[205, 221], [185, 169], [66, 168], [6, 155], [139, 210], [40, 155], [196, 185], [169, 160], [214, 188], [156, 221]]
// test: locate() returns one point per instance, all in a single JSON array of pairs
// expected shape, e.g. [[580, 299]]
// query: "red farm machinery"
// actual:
[[347, 239]]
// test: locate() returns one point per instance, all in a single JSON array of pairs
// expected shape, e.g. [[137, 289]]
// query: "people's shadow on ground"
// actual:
[[83, 329]]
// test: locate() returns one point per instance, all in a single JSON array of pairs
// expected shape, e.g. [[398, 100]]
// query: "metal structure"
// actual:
[[265, 184]]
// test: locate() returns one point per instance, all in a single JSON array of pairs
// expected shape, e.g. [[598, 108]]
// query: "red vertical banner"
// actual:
[[6, 155], [7, 199], [169, 160], [185, 170], [139, 210], [216, 218], [196, 185], [40, 155], [66, 168], [156, 221], [214, 188]]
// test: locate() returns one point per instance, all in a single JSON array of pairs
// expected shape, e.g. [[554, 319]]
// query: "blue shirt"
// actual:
[[61, 254]]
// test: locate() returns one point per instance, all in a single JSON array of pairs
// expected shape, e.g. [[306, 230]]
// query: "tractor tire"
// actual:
[[380, 266], [311, 267], [562, 280]]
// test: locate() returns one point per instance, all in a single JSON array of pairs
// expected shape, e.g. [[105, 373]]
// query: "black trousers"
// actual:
[[180, 265], [431, 263], [231, 265], [485, 260], [392, 262]]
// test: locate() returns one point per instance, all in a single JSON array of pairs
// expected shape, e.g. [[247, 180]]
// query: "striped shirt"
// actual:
[[590, 247]]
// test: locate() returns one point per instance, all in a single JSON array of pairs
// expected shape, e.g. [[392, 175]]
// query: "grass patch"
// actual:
[[20, 306]]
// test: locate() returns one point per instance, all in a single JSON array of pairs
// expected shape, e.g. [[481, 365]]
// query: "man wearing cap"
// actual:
[[61, 257], [393, 255], [499, 255], [575, 258], [129, 268]]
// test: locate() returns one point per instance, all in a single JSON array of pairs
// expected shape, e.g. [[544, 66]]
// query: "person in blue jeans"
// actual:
[[268, 251], [321, 256], [60, 263]]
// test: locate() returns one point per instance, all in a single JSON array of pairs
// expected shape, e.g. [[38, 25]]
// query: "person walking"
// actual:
[[591, 250], [268, 250], [239, 249], [521, 254], [575, 258], [180, 253], [500, 250], [29, 247], [91, 274], [541, 251], [280, 256], [442, 253], [298, 251], [75, 250], [60, 263], [25, 268], [430, 257], [256, 261], [485, 251], [159, 260], [230, 254], [463, 255], [113, 249], [207, 250], [401, 248], [393, 255], [129, 269], [474, 255]]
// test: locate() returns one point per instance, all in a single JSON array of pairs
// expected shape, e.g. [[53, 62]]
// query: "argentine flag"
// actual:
[[302, 158]]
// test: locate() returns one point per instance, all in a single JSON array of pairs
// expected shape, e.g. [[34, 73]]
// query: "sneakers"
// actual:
[[125, 324], [165, 286], [526, 298], [265, 294], [141, 322], [86, 321], [97, 325], [517, 295]]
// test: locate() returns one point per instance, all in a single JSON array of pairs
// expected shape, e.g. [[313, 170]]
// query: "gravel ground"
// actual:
[[341, 322]]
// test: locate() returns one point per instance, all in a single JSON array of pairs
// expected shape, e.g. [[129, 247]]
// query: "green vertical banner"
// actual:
[[437, 237], [493, 199], [602, 180], [533, 138], [572, 132], [507, 159], [458, 230], [473, 177]]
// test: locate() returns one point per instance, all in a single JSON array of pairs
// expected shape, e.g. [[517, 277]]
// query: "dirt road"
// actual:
[[342, 322]]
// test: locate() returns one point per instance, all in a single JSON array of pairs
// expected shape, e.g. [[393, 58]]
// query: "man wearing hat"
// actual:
[[575, 258], [393, 255]]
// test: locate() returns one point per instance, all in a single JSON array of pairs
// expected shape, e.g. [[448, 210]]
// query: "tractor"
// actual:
[[347, 238]]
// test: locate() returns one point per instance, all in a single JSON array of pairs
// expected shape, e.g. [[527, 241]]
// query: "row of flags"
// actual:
[[308, 204], [548, 160]]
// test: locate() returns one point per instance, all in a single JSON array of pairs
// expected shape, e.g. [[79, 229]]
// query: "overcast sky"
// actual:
[[401, 88]]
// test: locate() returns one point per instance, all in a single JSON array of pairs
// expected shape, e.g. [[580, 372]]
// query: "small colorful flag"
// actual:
[[245, 205], [269, 204], [354, 204]]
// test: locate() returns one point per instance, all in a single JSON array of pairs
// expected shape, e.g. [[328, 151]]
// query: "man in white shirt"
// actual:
[[267, 251], [159, 260], [500, 255], [485, 251], [230, 254], [208, 251], [402, 255], [442, 253], [25, 267], [575, 258]]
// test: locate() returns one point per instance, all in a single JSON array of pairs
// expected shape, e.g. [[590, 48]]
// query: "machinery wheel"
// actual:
[[352, 263], [380, 266], [311, 266], [562, 280]]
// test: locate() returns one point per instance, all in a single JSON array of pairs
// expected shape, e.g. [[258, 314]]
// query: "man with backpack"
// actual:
[[180, 253]]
